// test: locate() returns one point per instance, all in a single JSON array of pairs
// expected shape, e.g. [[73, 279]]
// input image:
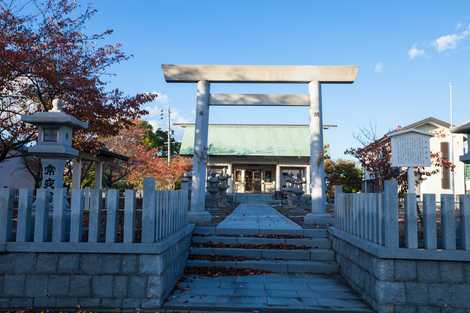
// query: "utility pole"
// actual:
[[451, 117], [169, 135], [168, 144]]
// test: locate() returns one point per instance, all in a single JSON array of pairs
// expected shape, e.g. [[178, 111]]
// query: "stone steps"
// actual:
[[275, 251], [301, 233], [292, 243], [267, 254], [273, 266]]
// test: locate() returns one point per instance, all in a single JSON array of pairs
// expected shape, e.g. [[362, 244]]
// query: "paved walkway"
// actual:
[[257, 217], [268, 292]]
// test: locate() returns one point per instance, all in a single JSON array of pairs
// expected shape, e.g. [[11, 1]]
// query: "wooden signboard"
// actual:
[[411, 148]]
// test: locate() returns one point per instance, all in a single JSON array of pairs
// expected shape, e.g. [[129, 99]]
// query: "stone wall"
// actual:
[[90, 280], [401, 286]]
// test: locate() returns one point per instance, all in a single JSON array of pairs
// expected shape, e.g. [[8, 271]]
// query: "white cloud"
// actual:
[[446, 42], [415, 52], [450, 41], [379, 67], [158, 113]]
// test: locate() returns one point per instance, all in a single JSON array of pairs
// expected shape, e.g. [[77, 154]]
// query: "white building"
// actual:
[[14, 173], [445, 181]]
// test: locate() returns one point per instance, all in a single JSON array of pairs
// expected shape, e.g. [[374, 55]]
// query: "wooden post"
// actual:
[[465, 221], [112, 202], [448, 222], [429, 211], [41, 215], [391, 237], [411, 232], [148, 211], [76, 216], [25, 223], [129, 216]]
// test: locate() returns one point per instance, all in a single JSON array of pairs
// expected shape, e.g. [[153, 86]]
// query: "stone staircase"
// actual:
[[293, 251]]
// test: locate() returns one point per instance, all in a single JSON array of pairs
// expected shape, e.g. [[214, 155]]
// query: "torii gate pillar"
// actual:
[[317, 171], [198, 214]]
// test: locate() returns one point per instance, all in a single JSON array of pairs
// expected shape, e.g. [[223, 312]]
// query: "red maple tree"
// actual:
[[45, 53], [144, 161]]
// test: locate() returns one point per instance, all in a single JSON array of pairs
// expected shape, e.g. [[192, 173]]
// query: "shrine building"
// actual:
[[257, 156]]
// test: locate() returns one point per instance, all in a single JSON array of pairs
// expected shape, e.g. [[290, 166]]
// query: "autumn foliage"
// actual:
[[144, 161], [45, 53]]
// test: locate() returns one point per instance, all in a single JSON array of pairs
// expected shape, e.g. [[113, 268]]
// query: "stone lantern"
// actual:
[[54, 145], [465, 130]]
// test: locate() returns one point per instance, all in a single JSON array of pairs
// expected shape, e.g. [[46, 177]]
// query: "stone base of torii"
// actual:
[[205, 75]]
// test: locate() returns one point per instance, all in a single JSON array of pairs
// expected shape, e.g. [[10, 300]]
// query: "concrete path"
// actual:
[[261, 217], [265, 293]]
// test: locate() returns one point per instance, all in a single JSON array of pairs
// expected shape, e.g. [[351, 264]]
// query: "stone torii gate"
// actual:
[[204, 75]]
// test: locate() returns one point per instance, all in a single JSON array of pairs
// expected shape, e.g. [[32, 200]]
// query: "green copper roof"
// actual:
[[252, 140]]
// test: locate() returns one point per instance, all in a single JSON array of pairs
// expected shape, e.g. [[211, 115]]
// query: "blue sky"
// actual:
[[407, 52]]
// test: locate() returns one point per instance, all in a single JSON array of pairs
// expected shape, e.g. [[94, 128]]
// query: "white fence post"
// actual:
[[391, 214], [129, 215], [448, 222], [171, 210], [429, 214], [338, 205], [76, 215], [349, 212], [6, 199], [365, 216], [41, 215], [370, 217], [185, 206], [411, 228], [58, 215], [379, 198], [94, 215], [360, 214], [112, 202], [465, 221], [25, 222], [148, 210], [165, 213], [159, 215], [355, 218]]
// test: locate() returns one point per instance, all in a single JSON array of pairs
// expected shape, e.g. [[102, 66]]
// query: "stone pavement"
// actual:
[[265, 293], [261, 217]]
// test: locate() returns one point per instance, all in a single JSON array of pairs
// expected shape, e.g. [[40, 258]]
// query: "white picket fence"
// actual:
[[91, 215], [374, 217]]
